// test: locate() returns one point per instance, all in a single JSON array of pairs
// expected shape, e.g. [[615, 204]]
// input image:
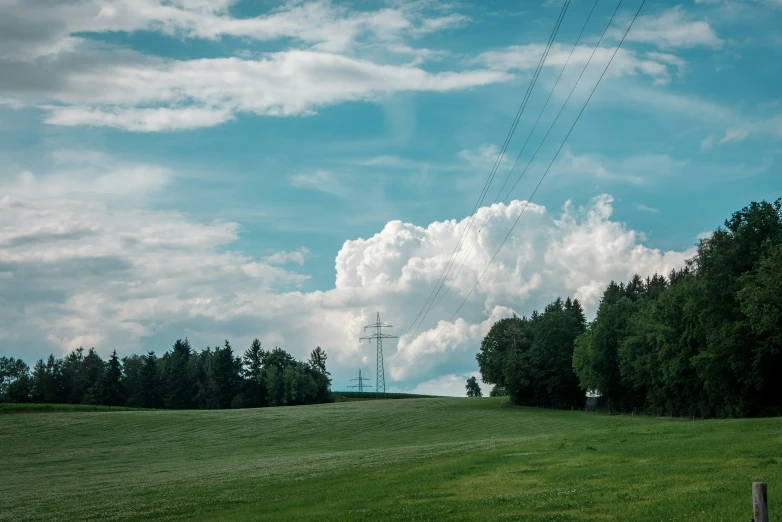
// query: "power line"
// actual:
[[539, 182], [494, 211], [523, 148], [441, 279], [498, 161]]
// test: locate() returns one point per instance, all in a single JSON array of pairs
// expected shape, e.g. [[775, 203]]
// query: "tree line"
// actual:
[[182, 378], [704, 341]]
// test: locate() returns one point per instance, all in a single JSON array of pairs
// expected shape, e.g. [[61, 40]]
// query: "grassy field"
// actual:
[[416, 459]]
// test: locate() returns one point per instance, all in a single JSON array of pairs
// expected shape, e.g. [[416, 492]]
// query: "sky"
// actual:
[[226, 169]]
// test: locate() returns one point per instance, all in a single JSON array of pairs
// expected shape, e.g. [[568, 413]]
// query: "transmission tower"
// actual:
[[380, 382], [360, 384]]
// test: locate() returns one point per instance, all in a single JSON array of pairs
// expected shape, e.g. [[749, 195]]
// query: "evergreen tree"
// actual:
[[132, 366], [93, 368], [254, 394], [179, 383], [226, 375], [111, 382], [47, 381], [150, 386]]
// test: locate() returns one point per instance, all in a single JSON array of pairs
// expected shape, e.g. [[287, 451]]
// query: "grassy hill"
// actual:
[[415, 459]]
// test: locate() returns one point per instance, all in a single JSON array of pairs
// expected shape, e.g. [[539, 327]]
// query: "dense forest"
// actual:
[[704, 341], [182, 378]]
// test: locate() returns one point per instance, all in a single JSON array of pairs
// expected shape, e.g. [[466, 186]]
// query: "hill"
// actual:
[[415, 459]]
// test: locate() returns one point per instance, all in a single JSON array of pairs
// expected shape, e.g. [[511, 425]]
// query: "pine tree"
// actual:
[[254, 388], [226, 375], [150, 386], [179, 384], [111, 385]]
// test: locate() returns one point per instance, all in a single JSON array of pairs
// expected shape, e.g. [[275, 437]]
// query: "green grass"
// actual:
[[6, 407], [417, 459]]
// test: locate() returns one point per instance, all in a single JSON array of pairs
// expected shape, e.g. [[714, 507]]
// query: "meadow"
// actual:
[[416, 459]]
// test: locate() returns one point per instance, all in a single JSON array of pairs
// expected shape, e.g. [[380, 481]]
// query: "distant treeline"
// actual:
[[704, 341], [182, 378], [373, 395]]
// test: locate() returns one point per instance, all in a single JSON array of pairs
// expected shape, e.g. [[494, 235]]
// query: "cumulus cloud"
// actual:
[[82, 263]]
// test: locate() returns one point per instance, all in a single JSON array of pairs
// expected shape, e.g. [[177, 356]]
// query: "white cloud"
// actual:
[[643, 208], [49, 29], [691, 108], [282, 257], [330, 56], [734, 134], [672, 28], [320, 180], [140, 120], [660, 66], [198, 93], [639, 170], [483, 157], [82, 264]]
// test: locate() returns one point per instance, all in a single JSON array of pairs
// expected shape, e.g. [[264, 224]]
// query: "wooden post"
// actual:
[[759, 502]]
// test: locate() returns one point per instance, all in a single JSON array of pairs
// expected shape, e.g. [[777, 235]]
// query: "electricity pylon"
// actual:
[[360, 384], [380, 382]]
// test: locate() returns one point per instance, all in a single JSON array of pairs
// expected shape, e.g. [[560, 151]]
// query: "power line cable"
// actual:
[[494, 211], [523, 148], [498, 161], [449, 266], [536, 187]]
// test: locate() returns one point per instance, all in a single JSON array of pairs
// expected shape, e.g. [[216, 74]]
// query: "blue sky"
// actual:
[[283, 170]]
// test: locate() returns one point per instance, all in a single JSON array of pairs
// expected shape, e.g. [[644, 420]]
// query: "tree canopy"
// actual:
[[473, 388], [181, 378], [706, 340]]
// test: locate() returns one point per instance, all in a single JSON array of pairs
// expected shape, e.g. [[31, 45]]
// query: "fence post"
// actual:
[[759, 502]]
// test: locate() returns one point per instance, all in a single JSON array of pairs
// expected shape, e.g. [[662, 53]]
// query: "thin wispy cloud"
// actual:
[[643, 208], [734, 135], [320, 180]]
